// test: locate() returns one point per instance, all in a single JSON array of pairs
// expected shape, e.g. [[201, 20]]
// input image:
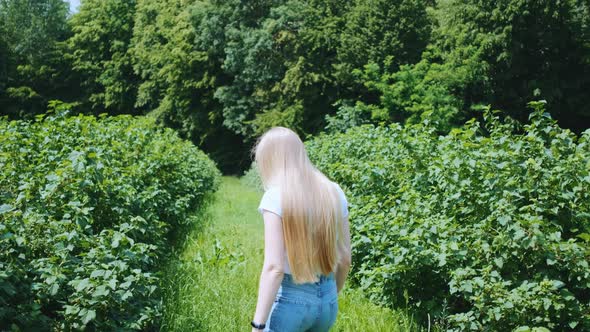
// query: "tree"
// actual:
[[100, 54], [520, 51], [388, 33], [179, 74], [503, 53], [278, 57], [32, 67]]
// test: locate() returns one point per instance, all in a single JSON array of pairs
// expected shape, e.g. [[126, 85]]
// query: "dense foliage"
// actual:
[[503, 53], [486, 228], [99, 52], [220, 72], [32, 47], [251, 65], [86, 209], [468, 216]]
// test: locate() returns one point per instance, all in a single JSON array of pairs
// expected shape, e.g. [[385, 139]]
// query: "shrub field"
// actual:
[[486, 228], [464, 217], [87, 207]]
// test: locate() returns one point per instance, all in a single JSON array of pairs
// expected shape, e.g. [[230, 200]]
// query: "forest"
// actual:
[[458, 128], [222, 72]]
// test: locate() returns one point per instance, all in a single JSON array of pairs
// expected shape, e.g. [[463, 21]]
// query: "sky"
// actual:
[[74, 5]]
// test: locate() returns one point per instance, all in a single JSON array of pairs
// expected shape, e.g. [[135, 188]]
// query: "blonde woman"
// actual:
[[306, 238]]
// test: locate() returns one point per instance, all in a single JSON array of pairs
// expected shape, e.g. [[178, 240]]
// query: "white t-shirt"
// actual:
[[271, 201]]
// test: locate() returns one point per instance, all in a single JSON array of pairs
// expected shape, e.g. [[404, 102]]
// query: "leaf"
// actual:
[[558, 284], [113, 283], [71, 309], [101, 291], [519, 234], [53, 289], [467, 287], [523, 329], [88, 316], [126, 295], [442, 260], [499, 262], [82, 284], [503, 220], [5, 208], [97, 273], [584, 236], [116, 239]]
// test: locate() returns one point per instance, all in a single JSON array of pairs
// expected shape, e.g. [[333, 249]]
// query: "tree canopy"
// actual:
[[221, 72]]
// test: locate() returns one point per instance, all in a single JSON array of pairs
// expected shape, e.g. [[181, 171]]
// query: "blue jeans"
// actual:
[[308, 307]]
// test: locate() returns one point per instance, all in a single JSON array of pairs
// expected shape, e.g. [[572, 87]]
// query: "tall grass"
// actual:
[[213, 283]]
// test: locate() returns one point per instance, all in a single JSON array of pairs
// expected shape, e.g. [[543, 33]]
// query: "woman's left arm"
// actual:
[[272, 271]]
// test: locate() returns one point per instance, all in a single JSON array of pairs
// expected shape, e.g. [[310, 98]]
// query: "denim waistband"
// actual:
[[325, 287], [322, 278]]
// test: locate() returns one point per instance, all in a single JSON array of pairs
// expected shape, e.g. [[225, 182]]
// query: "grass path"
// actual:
[[213, 283]]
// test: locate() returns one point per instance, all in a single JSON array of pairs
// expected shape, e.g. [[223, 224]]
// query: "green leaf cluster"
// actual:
[[33, 69], [87, 207], [503, 53], [175, 50], [100, 53], [221, 72], [484, 228]]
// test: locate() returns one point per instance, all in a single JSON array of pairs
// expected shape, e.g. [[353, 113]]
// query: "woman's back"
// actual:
[[306, 235], [310, 306], [271, 201]]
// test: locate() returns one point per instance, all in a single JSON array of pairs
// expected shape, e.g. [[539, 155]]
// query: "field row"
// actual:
[[486, 228], [87, 208]]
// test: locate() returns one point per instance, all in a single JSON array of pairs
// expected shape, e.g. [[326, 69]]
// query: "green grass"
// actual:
[[213, 283]]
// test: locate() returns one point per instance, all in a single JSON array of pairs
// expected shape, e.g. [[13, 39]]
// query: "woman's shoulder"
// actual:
[[343, 199], [273, 190], [271, 200], [340, 191]]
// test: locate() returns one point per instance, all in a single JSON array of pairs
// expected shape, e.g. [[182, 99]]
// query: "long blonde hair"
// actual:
[[310, 202]]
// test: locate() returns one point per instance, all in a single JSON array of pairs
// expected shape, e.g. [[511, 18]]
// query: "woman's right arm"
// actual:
[[344, 265]]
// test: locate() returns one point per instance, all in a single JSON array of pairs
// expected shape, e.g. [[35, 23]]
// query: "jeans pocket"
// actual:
[[287, 316]]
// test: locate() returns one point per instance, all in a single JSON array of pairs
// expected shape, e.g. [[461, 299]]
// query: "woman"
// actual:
[[306, 238]]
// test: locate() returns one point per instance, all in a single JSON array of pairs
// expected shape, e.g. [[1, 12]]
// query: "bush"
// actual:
[[486, 228], [251, 178], [86, 208]]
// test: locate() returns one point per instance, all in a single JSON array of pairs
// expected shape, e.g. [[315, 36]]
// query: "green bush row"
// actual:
[[486, 228], [87, 206]]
